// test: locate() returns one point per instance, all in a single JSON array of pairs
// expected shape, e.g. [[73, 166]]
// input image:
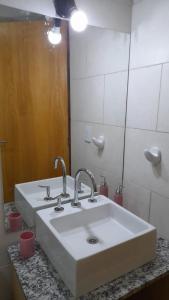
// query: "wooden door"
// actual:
[[33, 103]]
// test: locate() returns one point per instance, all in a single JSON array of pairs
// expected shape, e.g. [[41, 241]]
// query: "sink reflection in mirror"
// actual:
[[29, 197]]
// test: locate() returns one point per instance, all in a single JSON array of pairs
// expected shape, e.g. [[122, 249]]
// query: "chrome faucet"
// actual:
[[75, 202], [57, 159]]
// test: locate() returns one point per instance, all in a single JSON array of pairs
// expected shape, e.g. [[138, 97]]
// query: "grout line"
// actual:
[[104, 96], [157, 193], [126, 111], [120, 71], [97, 123], [149, 66], [159, 97], [150, 206], [99, 75], [130, 181], [122, 127], [148, 130]]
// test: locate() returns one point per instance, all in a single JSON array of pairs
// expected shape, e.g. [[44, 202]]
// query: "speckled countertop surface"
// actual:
[[40, 281]]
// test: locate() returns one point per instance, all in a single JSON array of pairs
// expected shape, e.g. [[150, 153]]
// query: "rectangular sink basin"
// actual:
[[29, 197], [94, 244]]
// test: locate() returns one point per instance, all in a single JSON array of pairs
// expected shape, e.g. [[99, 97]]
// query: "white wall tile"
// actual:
[[115, 98], [112, 181], [78, 54], [140, 171], [159, 213], [143, 100], [104, 53], [108, 162], [137, 200], [98, 51], [79, 148], [149, 47], [115, 15], [87, 99], [111, 159], [107, 51], [150, 43], [163, 116]]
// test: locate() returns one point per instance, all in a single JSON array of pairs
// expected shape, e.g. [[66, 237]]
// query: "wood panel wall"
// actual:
[[34, 106]]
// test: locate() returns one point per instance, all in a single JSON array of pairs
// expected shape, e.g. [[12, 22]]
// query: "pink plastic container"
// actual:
[[119, 199], [104, 187], [15, 221], [27, 244]]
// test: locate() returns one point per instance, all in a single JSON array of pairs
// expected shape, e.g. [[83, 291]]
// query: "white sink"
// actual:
[[125, 242], [29, 197]]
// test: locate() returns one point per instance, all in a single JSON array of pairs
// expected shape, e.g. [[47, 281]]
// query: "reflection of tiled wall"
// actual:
[[147, 190], [99, 64], [5, 240]]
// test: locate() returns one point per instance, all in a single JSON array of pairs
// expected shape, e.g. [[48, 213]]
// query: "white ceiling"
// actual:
[[112, 14], [129, 2], [11, 14]]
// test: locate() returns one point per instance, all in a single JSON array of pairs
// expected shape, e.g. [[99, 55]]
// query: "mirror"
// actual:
[[99, 59], [98, 63]]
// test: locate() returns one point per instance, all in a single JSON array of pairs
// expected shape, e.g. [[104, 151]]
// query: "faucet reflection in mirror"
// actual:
[[61, 160]]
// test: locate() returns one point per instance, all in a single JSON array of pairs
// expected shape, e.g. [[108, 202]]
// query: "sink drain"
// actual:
[[92, 240]]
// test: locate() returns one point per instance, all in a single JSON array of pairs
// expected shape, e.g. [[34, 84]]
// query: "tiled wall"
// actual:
[[99, 64], [147, 188]]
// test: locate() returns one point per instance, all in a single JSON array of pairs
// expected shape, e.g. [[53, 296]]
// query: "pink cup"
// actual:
[[15, 221], [27, 244]]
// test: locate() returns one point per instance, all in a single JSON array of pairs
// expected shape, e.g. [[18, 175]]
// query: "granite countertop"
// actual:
[[40, 281]]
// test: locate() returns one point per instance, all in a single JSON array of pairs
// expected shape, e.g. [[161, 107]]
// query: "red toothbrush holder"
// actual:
[[15, 221], [27, 244]]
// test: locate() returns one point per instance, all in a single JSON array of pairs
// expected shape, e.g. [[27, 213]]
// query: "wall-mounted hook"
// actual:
[[99, 142], [153, 155]]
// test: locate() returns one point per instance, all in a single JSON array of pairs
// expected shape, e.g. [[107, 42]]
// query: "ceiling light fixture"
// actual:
[[54, 34], [78, 20], [67, 9]]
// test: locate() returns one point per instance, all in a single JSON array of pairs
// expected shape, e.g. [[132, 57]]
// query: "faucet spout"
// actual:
[[61, 160], [75, 201]]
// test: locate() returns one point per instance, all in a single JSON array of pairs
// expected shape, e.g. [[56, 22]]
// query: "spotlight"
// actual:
[[78, 20], [54, 34], [67, 9]]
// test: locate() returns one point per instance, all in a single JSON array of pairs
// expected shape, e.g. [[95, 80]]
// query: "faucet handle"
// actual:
[[59, 206], [80, 191], [96, 194], [47, 187], [92, 199], [56, 163]]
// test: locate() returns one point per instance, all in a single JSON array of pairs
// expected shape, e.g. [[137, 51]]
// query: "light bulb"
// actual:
[[78, 20], [54, 35]]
